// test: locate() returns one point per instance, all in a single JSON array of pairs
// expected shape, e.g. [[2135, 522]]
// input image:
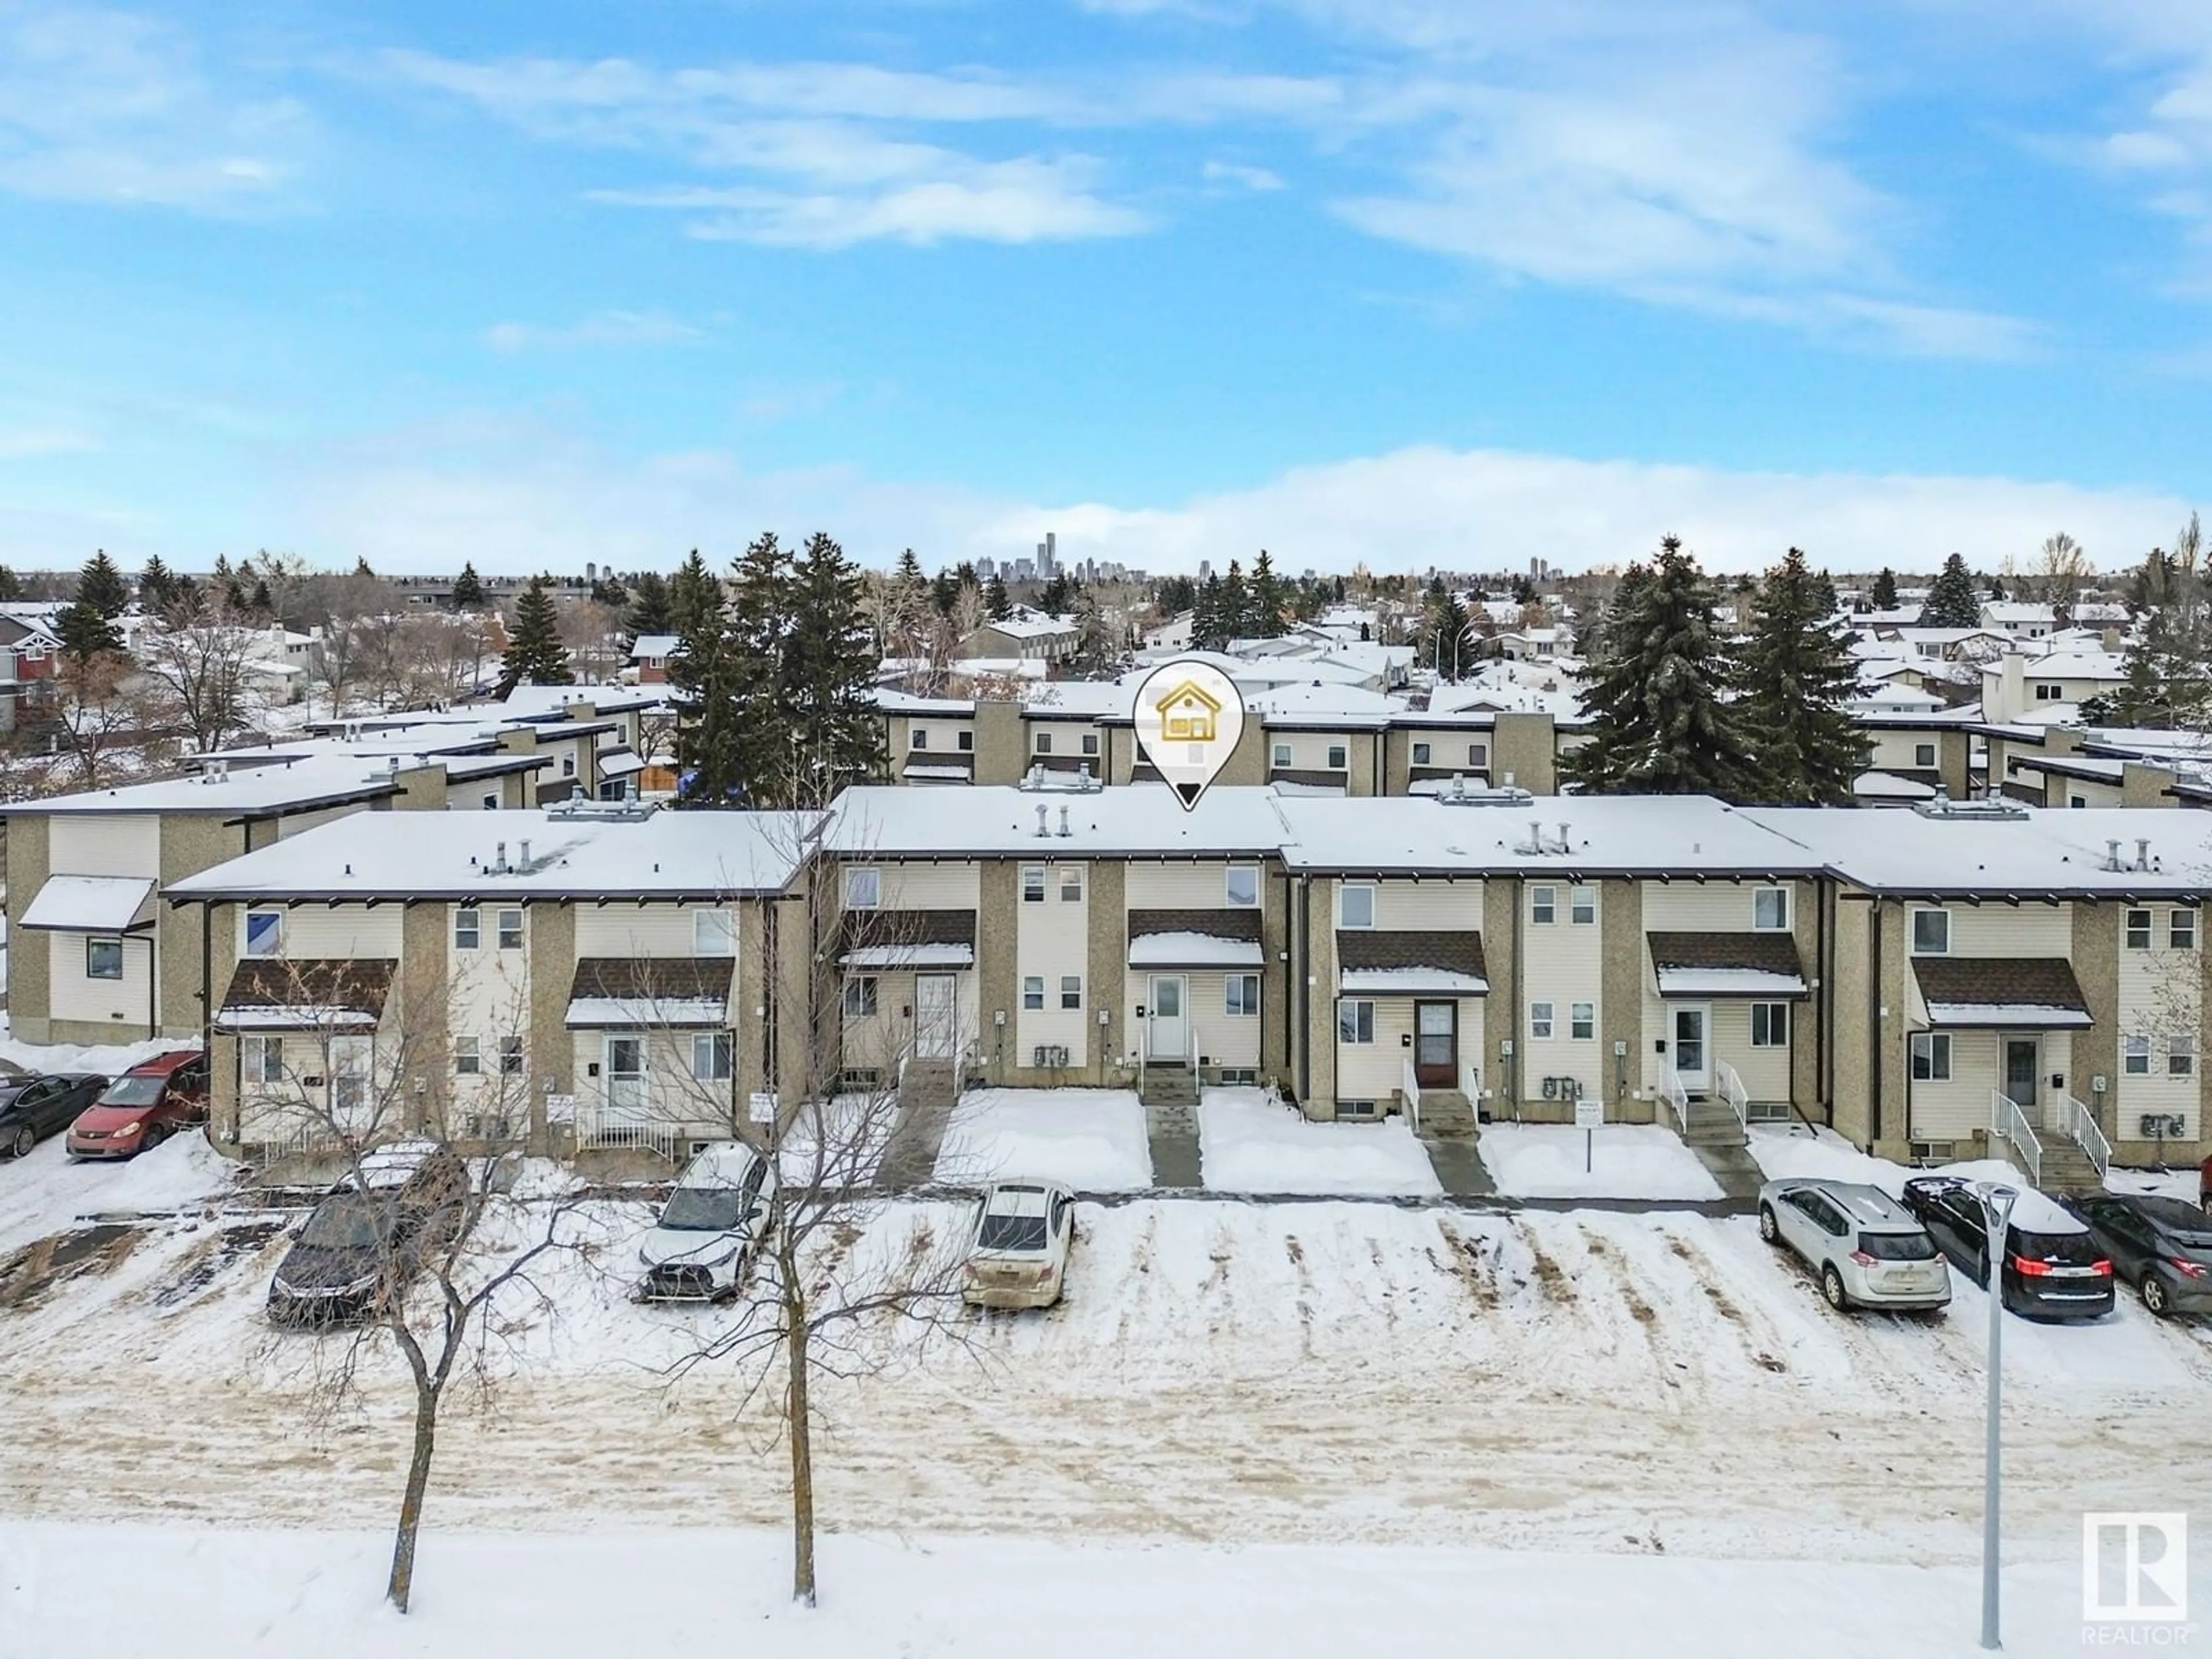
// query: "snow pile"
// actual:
[[1627, 1160], [1249, 1143], [109, 1060], [1094, 1139], [182, 1170], [1782, 1155]]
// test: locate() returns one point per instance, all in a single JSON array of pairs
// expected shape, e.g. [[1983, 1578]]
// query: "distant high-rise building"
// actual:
[[986, 569], [1047, 557]]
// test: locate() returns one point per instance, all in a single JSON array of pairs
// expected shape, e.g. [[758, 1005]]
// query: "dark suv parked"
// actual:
[[367, 1239], [2161, 1246], [2050, 1269]]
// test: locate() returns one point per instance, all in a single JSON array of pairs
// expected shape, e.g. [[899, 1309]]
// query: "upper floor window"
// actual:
[[1931, 1057], [1770, 909], [1924, 755], [2181, 1055], [1241, 886], [714, 1054], [864, 888], [2135, 1056], [568, 766], [2045, 692], [2181, 929], [1033, 991], [964, 742], [1543, 905], [1338, 758], [1932, 932], [918, 739], [1478, 756], [1420, 754], [2139, 930], [1355, 906], [1355, 1021], [860, 997], [1071, 990], [468, 929], [1282, 755], [265, 932], [714, 934], [1090, 743], [1033, 884], [510, 930], [1070, 883], [1539, 1022], [1582, 906]]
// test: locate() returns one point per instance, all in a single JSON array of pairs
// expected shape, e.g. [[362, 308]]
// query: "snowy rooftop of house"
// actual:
[[2064, 666], [1688, 835], [1025, 624], [232, 791], [654, 644], [1081, 699], [2039, 851], [586, 853], [1333, 705], [997, 820], [905, 703], [538, 703], [1497, 696], [2016, 611], [1903, 617]]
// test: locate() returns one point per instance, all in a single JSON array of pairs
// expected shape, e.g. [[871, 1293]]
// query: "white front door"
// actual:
[[1167, 1028], [625, 1080], [352, 1060], [1693, 1055], [936, 1016]]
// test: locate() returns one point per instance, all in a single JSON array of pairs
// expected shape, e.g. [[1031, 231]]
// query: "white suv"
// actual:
[[1866, 1247], [711, 1226]]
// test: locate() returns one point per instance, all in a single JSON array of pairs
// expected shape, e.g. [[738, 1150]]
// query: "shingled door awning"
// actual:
[[897, 939], [2034, 994], [1763, 965], [1195, 938], [277, 993], [1409, 962], [630, 992], [92, 904]]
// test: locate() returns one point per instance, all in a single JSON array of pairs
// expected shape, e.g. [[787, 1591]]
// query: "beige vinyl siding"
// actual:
[[1999, 930], [943, 736], [121, 844], [2161, 993], [1895, 751], [1218, 1037], [1563, 964], [633, 930], [1428, 906], [297, 822], [315, 930], [1310, 749], [117, 1002], [1201, 886], [1377, 1071], [1953, 1110], [880, 1042], [1717, 907], [1067, 737], [487, 989], [1714, 908], [1765, 1071], [674, 1099], [916, 886], [1052, 940]]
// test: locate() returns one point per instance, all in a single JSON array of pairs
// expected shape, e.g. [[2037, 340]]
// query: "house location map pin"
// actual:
[[1188, 716]]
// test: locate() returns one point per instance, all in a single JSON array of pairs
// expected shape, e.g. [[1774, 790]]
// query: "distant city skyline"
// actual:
[[1414, 282]]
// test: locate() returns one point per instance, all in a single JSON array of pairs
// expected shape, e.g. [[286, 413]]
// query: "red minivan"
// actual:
[[143, 1107]]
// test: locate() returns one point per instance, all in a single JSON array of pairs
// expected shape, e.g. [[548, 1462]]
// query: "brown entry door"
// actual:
[[1435, 1044]]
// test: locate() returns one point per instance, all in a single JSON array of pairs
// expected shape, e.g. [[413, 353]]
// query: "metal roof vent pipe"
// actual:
[[2142, 852], [2113, 856], [525, 846], [1042, 810], [1064, 829], [499, 858], [1565, 846]]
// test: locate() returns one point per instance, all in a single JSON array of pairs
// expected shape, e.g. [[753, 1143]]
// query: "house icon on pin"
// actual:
[[1189, 714]]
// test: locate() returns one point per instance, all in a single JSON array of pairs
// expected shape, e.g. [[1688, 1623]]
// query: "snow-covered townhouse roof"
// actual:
[[902, 703], [586, 852], [1904, 615], [220, 790], [1136, 820]]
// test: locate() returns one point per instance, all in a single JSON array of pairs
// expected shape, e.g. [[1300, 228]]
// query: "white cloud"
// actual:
[[1232, 172], [608, 328]]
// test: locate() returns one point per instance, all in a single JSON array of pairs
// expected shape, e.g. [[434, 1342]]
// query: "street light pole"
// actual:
[[1997, 1203]]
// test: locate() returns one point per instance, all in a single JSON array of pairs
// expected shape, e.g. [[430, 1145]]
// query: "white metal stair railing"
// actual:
[[2081, 1128], [1411, 1086], [1732, 1090], [2008, 1121], [1470, 1085], [1676, 1099], [602, 1125]]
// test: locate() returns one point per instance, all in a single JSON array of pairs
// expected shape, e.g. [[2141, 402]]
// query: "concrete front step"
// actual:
[[1167, 1086], [1446, 1115]]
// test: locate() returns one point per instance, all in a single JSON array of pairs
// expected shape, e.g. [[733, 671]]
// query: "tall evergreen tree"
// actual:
[[229, 585], [1210, 627], [86, 626], [1797, 675], [11, 585], [103, 587], [1235, 604], [944, 592], [468, 589], [1661, 720], [1952, 600], [157, 586], [647, 612], [535, 655], [695, 596], [1885, 590], [1098, 651], [1268, 599], [828, 679], [996, 600], [2169, 656], [710, 760]]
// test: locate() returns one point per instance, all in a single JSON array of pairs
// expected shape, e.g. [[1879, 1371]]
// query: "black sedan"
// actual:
[[366, 1242], [2051, 1268], [33, 1108], [2161, 1246]]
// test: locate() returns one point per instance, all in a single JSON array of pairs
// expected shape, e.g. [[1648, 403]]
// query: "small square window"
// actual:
[[919, 738], [1770, 909], [1932, 932], [1033, 884], [2139, 930], [1044, 742], [1540, 1021], [1240, 886], [2135, 1056], [1420, 754], [1355, 906], [1071, 990], [467, 1060], [1355, 1021], [714, 934], [1241, 993], [491, 802], [860, 997], [1070, 883], [468, 929], [1931, 1057], [261, 1060], [1282, 755], [103, 958], [510, 1056], [1338, 758], [964, 742], [1582, 906], [864, 888], [1923, 756], [1543, 905], [510, 930], [1090, 744], [2181, 930], [568, 766], [1033, 991], [265, 932], [1477, 756], [1582, 1021], [2181, 1056], [712, 1053], [1769, 1024]]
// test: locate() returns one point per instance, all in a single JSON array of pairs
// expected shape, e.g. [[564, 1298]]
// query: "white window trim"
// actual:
[[1543, 896], [1937, 1042], [245, 935], [1037, 981], [1547, 1021], [861, 988], [1577, 897], [1582, 1014], [1039, 885], [475, 927], [1358, 1021], [500, 928], [1342, 892], [2135, 1056], [863, 876], [1232, 994], [1229, 897], [1782, 927], [1912, 927], [1776, 1012], [724, 927]]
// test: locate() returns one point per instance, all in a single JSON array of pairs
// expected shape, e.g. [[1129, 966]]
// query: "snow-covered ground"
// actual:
[[45, 1193], [1249, 1143], [1783, 1153], [1627, 1160], [109, 1060], [1091, 1138], [211, 1595]]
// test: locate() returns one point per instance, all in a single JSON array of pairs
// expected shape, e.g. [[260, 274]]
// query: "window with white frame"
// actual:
[[1240, 886], [2139, 930], [265, 932], [1355, 906], [568, 766], [1042, 744], [1770, 909], [714, 934], [491, 802], [1931, 1057], [510, 1056], [864, 888], [2046, 692], [1923, 756], [103, 958], [1241, 993], [1071, 990], [860, 997], [918, 737], [712, 1055], [1582, 1021], [2181, 929], [468, 929], [1420, 754], [1582, 906], [2181, 1055], [1033, 884], [1543, 905], [1091, 744], [261, 1060], [1033, 991], [1769, 1024], [2135, 1056], [1932, 932], [468, 1057], [1540, 1021], [510, 930], [1070, 883], [1281, 755], [1338, 759], [1355, 1020]]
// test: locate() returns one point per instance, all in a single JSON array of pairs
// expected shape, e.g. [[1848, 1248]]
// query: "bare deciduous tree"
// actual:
[[201, 668], [104, 725]]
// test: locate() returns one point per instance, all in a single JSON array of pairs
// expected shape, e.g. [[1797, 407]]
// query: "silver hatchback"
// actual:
[[1867, 1248]]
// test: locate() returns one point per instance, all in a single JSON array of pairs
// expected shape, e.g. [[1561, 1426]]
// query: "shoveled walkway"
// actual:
[[1457, 1160], [1172, 1133], [926, 1096], [1734, 1168]]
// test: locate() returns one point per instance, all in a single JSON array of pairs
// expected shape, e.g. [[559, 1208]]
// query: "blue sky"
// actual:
[[1397, 280]]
